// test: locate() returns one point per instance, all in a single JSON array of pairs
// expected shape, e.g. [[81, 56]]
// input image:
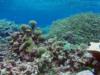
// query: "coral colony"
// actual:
[[30, 52]]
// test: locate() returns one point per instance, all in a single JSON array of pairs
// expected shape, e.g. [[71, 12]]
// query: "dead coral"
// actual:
[[18, 68]]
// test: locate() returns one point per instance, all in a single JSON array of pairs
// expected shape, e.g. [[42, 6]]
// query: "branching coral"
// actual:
[[51, 55], [81, 28], [26, 41]]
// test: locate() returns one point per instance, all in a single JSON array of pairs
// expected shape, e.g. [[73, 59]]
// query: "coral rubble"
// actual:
[[18, 68]]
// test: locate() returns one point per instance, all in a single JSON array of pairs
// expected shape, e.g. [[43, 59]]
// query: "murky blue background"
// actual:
[[44, 11]]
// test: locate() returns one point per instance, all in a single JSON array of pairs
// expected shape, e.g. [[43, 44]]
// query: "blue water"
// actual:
[[44, 11]]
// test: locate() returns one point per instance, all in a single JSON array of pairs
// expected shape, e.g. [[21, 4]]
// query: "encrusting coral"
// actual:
[[41, 56]]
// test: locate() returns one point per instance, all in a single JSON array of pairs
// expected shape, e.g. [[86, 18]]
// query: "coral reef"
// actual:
[[18, 68], [7, 27], [80, 28], [52, 55], [31, 53], [26, 42]]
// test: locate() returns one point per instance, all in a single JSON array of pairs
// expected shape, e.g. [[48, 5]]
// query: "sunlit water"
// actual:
[[44, 11]]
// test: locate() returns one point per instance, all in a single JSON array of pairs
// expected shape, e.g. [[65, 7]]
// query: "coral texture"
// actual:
[[81, 28], [31, 53], [7, 27], [53, 56]]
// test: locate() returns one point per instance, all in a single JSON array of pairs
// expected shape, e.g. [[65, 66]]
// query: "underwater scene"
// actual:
[[49, 37]]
